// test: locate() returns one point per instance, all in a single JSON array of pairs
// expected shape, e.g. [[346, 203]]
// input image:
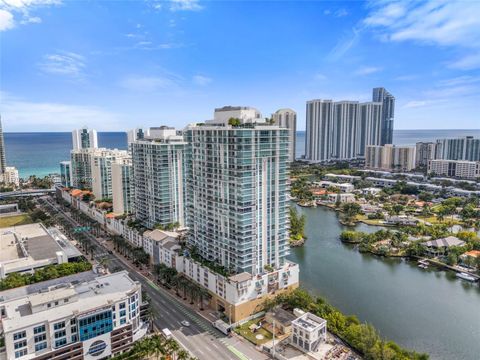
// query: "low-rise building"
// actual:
[[440, 246], [343, 187], [455, 168], [341, 198], [91, 319], [25, 248], [308, 331], [279, 320], [342, 178]]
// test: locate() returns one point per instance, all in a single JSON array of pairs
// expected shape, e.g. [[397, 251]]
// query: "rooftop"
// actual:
[[445, 242], [309, 322], [32, 242], [283, 316], [79, 297]]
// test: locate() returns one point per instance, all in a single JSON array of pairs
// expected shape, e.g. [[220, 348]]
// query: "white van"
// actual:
[[167, 333]]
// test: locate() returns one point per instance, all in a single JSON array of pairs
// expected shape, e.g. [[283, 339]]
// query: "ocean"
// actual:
[[40, 153]]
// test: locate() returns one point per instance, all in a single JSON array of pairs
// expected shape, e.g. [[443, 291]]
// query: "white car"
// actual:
[[185, 323]]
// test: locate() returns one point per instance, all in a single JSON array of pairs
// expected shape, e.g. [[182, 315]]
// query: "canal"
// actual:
[[425, 310]]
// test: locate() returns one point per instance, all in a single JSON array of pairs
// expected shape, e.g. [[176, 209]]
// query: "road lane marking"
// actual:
[[237, 352]]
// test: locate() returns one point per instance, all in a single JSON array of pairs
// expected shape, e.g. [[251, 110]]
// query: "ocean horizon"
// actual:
[[39, 153]]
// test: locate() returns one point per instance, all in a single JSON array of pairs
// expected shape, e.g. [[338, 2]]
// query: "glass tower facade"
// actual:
[[236, 205]]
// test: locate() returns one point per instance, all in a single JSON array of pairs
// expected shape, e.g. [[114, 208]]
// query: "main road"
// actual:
[[201, 339]]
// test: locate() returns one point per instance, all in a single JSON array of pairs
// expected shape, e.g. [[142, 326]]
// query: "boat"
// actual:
[[423, 266], [465, 276]]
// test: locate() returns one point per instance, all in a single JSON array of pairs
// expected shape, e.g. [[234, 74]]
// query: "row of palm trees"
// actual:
[[184, 287], [155, 347], [126, 248]]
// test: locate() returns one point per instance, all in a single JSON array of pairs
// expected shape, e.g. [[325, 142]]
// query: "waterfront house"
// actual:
[[440, 246]]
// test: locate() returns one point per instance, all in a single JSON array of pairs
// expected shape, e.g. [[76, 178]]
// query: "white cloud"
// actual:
[[416, 103], [201, 80], [64, 63], [468, 62], [452, 23], [185, 5], [9, 9], [367, 70], [19, 115], [320, 76], [148, 84], [6, 20], [344, 44]]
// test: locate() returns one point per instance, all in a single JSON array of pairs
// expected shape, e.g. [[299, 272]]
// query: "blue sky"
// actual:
[[114, 65]]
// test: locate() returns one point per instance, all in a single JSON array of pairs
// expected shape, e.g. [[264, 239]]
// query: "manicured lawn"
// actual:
[[15, 220], [250, 336]]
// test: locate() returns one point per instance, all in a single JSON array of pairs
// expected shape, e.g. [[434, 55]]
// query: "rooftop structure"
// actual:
[[28, 247], [308, 331], [81, 319]]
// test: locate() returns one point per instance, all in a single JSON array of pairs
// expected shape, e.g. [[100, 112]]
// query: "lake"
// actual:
[[428, 311]]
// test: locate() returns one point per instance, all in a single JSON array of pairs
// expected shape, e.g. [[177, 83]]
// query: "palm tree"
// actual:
[[150, 316], [203, 294], [171, 347], [182, 355]]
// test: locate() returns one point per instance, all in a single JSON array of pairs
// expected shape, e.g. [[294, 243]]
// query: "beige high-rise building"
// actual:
[[287, 118], [122, 192], [390, 158]]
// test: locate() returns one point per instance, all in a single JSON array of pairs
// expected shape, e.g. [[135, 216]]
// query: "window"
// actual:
[[39, 329], [39, 338], [60, 334], [20, 344], [60, 342], [73, 329], [122, 306], [122, 313], [20, 353], [40, 346], [59, 325], [122, 321], [74, 338], [73, 321], [19, 335]]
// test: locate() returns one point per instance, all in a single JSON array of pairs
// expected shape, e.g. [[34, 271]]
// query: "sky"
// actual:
[[115, 65]]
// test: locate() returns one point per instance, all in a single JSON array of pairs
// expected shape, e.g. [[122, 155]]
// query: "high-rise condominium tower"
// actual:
[[84, 138], [466, 148], [287, 118], [388, 112], [236, 190], [341, 130], [3, 161], [159, 177]]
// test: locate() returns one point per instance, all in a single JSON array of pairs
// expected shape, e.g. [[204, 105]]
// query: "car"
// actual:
[[185, 323]]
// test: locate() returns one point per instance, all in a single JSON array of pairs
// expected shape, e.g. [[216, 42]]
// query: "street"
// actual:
[[201, 339]]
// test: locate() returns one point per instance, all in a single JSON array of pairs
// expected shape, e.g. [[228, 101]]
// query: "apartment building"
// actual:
[[236, 190], [159, 177], [390, 158], [455, 168], [342, 130], [424, 152], [122, 187], [465, 148], [287, 118], [84, 138], [85, 318], [387, 100], [66, 173]]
